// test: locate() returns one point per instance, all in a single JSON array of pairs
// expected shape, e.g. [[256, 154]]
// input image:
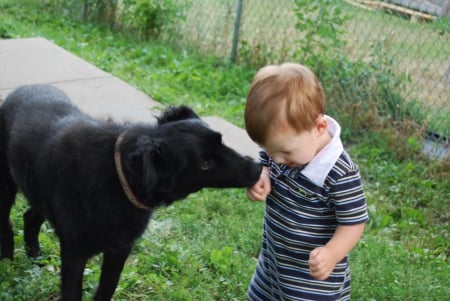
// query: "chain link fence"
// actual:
[[412, 36]]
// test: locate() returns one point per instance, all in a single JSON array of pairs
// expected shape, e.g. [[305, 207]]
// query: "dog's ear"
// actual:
[[177, 113], [149, 153], [156, 167], [138, 158]]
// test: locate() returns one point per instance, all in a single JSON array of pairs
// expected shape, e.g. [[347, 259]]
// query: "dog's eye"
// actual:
[[206, 165]]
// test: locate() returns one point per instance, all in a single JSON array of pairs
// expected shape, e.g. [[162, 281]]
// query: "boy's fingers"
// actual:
[[313, 254], [252, 195]]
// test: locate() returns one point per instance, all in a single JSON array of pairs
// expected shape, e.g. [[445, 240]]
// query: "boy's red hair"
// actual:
[[283, 95]]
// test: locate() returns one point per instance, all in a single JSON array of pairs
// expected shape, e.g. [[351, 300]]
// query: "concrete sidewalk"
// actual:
[[98, 93]]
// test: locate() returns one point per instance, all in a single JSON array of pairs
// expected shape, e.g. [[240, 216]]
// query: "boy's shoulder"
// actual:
[[344, 167], [345, 162]]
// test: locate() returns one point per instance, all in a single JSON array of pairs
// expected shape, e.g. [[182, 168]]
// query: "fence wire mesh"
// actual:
[[406, 33]]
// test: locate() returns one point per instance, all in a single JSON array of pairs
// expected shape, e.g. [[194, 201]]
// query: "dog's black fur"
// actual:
[[63, 162]]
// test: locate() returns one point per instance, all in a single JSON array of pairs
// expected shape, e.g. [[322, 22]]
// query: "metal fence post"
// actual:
[[237, 25]]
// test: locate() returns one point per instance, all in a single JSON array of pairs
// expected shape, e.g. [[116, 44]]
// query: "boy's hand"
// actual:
[[321, 263], [260, 190], [322, 260]]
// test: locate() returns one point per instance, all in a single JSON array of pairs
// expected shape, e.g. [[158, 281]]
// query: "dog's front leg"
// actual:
[[72, 268], [113, 262]]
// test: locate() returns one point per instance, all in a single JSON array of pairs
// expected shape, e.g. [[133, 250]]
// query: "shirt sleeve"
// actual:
[[349, 198]]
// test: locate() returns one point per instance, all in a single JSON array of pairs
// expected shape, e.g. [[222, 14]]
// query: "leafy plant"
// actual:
[[321, 24], [149, 17]]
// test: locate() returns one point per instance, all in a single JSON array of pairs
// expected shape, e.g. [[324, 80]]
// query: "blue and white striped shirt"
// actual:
[[302, 212]]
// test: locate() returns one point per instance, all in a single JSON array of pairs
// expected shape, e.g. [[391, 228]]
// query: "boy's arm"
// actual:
[[322, 260]]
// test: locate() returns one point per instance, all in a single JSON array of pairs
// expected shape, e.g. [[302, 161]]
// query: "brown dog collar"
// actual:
[[123, 180]]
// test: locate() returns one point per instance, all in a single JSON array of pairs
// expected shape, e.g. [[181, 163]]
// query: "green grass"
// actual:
[[389, 271], [205, 248]]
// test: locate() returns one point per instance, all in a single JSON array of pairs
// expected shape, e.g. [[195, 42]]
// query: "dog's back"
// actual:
[[31, 114], [36, 106]]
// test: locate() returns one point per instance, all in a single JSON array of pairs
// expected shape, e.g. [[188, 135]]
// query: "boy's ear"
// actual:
[[321, 124]]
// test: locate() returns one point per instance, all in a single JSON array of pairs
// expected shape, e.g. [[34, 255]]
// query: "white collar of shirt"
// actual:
[[320, 166]]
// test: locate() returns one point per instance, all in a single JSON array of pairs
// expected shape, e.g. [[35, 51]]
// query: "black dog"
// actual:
[[98, 182]]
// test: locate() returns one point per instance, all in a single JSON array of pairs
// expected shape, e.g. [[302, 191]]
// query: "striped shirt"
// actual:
[[302, 212]]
